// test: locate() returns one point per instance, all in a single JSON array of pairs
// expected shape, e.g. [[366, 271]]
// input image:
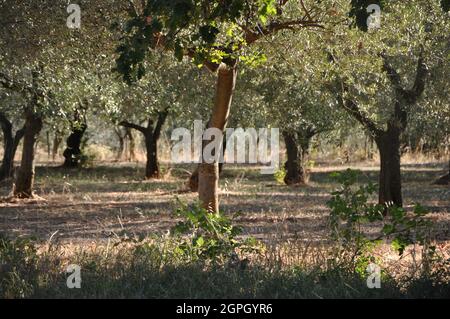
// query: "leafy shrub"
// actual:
[[210, 236], [279, 175], [351, 210]]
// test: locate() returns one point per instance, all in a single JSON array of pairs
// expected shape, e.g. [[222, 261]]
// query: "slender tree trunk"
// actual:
[[390, 186], [152, 165], [121, 144], [7, 163], [208, 174], [193, 179], [57, 140], [10, 147], [73, 150], [25, 178], [131, 144], [370, 153]]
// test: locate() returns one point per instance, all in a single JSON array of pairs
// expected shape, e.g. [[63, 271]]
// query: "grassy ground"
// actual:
[[86, 212], [99, 203]]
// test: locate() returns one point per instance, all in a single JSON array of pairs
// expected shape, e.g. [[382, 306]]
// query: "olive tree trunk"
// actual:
[[57, 140], [25, 177], [208, 173], [152, 165], [295, 172], [152, 134], [193, 179], [297, 149], [11, 142], [121, 148], [73, 152], [390, 184], [131, 145]]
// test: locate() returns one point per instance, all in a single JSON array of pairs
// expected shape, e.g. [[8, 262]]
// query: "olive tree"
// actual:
[[217, 35]]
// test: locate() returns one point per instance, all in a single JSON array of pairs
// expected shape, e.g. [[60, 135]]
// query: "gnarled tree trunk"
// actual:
[[25, 178], [11, 142], [73, 151], [208, 173], [390, 184], [295, 173], [297, 148], [388, 141]]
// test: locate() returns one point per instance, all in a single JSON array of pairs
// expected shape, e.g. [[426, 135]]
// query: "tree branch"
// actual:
[[252, 36], [392, 75], [133, 126], [352, 108], [406, 98], [5, 124], [410, 96], [19, 135], [213, 67], [159, 124], [421, 77]]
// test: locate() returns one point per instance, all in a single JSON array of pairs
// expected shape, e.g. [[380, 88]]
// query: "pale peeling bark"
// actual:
[[208, 174]]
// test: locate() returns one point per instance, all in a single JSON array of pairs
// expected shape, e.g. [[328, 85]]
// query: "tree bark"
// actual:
[[390, 186], [11, 142], [208, 173], [25, 178], [131, 145], [152, 164], [121, 143], [297, 147], [57, 139], [295, 173], [193, 179], [73, 151]]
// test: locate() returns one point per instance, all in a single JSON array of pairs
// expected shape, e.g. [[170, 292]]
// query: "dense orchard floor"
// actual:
[[112, 201]]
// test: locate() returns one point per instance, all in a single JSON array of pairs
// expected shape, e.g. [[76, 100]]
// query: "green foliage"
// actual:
[[351, 210], [211, 236], [203, 30], [279, 175]]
